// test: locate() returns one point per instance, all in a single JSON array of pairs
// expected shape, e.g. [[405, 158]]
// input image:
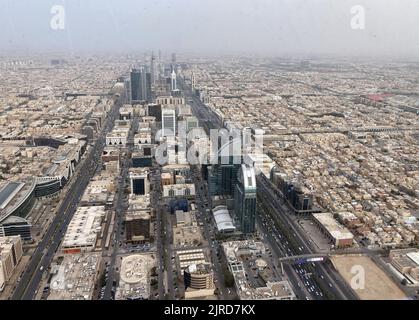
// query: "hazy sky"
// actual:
[[273, 27]]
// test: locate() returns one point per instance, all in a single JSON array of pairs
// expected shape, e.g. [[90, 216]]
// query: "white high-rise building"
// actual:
[[173, 82], [168, 117]]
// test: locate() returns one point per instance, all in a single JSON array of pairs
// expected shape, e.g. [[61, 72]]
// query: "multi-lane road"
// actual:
[[307, 284], [327, 279], [44, 253]]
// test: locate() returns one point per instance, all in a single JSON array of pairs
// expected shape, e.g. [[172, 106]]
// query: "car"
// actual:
[[330, 285], [41, 268]]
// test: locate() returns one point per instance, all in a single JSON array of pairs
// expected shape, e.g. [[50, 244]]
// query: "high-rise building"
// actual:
[[140, 85], [222, 179], [192, 81], [173, 85], [222, 176], [168, 121], [245, 199], [174, 62], [153, 69]]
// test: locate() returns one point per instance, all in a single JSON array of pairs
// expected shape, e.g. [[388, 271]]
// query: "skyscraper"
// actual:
[[140, 85], [153, 69], [245, 199], [168, 121], [173, 86]]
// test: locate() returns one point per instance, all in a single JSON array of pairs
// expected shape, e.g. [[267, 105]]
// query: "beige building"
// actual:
[[186, 232], [10, 254], [198, 281], [406, 261], [75, 277]]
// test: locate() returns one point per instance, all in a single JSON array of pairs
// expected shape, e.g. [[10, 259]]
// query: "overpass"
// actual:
[[306, 257], [74, 95], [342, 251]]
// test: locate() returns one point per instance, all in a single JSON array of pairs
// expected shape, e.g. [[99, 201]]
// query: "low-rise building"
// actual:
[[199, 281], [83, 230], [74, 278], [239, 254], [406, 261], [340, 236], [135, 277]]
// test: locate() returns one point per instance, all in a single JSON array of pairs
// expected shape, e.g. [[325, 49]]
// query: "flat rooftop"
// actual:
[[75, 277], [378, 285], [332, 226]]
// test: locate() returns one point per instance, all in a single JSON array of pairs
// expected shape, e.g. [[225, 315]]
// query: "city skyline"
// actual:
[[242, 154]]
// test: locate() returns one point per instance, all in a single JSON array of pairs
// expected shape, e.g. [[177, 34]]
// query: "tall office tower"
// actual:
[[222, 179], [173, 86], [140, 85], [168, 116], [174, 60], [148, 97], [245, 199], [127, 90], [222, 176], [153, 69], [192, 81]]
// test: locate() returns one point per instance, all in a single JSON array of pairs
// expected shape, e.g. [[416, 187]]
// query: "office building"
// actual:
[[173, 85], [154, 110], [137, 226], [83, 230], [140, 85], [198, 281], [140, 184], [245, 199], [168, 122], [222, 179], [11, 252]]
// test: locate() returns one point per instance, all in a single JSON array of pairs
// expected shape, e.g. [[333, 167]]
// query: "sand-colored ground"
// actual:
[[378, 286]]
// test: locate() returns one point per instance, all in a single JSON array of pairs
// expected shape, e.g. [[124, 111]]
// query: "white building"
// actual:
[[179, 190], [168, 122], [83, 230]]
